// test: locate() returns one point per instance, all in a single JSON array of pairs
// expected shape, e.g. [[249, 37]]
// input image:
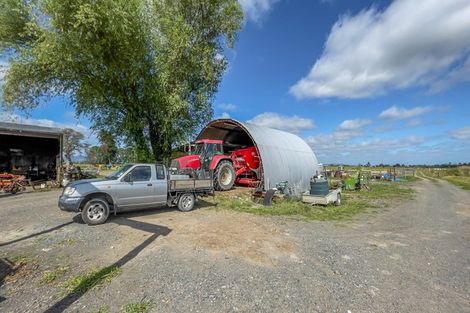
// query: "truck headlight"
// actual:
[[69, 191]]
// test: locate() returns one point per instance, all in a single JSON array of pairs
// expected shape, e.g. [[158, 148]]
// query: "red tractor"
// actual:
[[239, 166]]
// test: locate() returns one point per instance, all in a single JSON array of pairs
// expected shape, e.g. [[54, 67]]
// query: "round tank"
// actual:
[[319, 187]]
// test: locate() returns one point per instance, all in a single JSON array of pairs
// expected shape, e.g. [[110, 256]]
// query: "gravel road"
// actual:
[[413, 257]]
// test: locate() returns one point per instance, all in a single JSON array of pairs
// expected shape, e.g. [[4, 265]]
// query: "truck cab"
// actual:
[[132, 187]]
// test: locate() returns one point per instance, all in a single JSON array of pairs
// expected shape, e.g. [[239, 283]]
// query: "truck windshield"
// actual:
[[119, 172]]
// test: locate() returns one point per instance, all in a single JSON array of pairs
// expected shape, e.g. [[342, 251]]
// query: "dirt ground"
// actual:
[[414, 257]]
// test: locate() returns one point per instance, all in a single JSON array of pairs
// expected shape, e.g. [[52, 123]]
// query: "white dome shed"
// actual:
[[283, 156]]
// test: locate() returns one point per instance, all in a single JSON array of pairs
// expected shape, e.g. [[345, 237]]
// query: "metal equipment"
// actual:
[[240, 167], [11, 183]]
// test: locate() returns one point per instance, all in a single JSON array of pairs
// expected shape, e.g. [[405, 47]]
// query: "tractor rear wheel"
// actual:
[[224, 176]]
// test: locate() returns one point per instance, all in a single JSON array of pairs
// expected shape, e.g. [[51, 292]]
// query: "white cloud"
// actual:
[[225, 115], [354, 124], [227, 107], [293, 124], [256, 9], [334, 144], [463, 133], [398, 113], [458, 74], [410, 43], [345, 132]]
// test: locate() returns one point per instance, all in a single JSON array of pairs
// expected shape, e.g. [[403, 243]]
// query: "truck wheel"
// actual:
[[338, 200], [224, 176], [95, 211], [186, 202]]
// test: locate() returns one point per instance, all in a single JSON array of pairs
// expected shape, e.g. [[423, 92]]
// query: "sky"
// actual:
[[360, 81]]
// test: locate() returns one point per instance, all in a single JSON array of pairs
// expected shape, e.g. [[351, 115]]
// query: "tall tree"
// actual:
[[143, 69], [73, 143], [108, 146], [94, 155]]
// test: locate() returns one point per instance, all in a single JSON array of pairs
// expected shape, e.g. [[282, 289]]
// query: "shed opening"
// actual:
[[33, 157]]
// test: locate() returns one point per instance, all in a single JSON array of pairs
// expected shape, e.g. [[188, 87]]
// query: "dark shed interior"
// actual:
[[30, 150], [233, 136]]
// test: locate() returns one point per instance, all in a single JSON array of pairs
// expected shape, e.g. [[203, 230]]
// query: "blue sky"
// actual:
[[361, 81]]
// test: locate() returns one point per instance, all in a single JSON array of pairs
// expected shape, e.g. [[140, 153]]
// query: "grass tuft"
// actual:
[[80, 284], [67, 242], [137, 307], [103, 309], [50, 276], [22, 259]]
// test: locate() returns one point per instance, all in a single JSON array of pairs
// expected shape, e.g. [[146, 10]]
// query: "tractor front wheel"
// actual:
[[224, 176]]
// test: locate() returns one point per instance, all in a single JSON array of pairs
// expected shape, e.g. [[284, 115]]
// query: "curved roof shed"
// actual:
[[284, 156]]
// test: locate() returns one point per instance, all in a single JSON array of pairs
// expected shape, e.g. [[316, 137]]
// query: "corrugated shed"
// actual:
[[7, 128], [284, 156]]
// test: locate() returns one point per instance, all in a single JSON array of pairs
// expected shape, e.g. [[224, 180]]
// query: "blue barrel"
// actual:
[[319, 187]]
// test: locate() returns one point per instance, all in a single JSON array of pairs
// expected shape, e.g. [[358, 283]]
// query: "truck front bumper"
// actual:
[[70, 204]]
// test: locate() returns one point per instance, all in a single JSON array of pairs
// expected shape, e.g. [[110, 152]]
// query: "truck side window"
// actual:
[[141, 173], [160, 172]]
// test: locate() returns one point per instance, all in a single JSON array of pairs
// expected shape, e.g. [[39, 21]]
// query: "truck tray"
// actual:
[[190, 184]]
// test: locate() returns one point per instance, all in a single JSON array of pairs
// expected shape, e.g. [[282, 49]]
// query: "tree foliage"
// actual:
[[106, 152], [73, 143], [143, 69], [108, 146], [94, 155]]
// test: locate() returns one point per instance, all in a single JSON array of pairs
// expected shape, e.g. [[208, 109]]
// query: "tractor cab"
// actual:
[[207, 157], [206, 149]]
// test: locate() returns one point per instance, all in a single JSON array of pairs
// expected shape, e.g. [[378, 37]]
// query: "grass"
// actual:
[[103, 309], [137, 307], [421, 174], [66, 242], [353, 202], [461, 181], [22, 259], [459, 176], [81, 283], [410, 179], [50, 276]]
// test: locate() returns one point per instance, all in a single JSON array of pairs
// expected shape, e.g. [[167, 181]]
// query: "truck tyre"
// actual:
[[95, 211], [186, 202], [338, 200], [224, 176]]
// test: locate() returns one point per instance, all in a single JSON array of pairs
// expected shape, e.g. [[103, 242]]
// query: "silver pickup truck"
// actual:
[[133, 187]]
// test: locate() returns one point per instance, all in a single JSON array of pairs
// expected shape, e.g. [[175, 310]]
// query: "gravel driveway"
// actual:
[[414, 257]]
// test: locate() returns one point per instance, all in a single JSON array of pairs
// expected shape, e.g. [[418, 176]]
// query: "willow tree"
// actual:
[[145, 70]]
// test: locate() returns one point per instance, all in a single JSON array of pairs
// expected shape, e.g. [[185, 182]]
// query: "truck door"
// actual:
[[136, 189], [161, 184]]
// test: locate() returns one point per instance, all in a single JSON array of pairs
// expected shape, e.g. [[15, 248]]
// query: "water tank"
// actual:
[[319, 187]]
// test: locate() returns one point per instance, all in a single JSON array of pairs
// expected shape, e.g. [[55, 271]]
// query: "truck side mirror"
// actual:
[[127, 178]]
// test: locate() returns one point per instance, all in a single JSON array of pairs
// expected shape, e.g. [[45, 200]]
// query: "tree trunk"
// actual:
[[159, 144], [143, 153]]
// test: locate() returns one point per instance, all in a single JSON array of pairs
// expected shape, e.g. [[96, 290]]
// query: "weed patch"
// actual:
[[22, 259], [137, 307], [50, 276], [103, 309], [80, 284], [67, 242]]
